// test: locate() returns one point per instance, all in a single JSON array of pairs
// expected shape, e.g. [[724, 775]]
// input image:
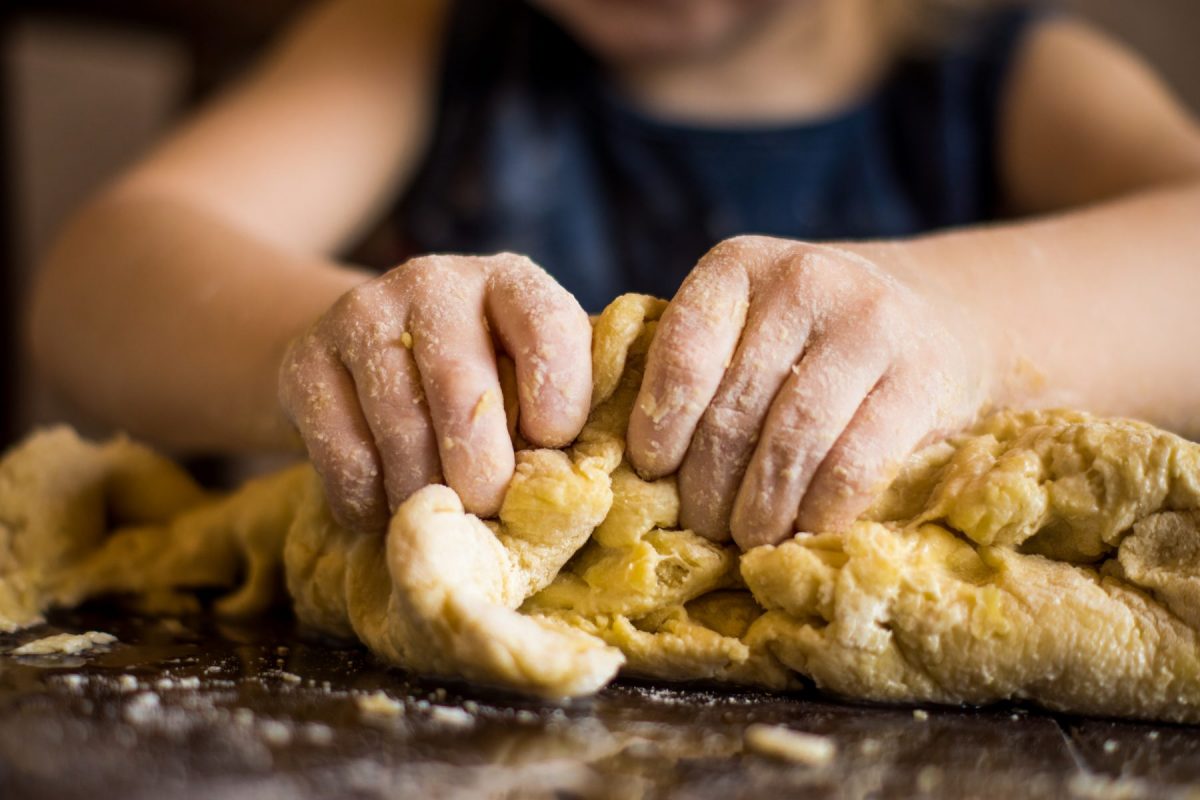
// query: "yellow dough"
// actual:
[[1049, 556]]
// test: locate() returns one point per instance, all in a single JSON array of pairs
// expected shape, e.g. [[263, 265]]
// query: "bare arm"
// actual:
[[788, 380], [197, 303], [166, 305], [1093, 303]]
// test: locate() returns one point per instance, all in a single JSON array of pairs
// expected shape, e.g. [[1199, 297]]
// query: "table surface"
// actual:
[[196, 707]]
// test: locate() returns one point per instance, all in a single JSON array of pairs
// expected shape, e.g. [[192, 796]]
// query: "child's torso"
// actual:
[[532, 153]]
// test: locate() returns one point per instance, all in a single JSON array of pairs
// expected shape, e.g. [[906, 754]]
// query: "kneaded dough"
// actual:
[[1049, 556]]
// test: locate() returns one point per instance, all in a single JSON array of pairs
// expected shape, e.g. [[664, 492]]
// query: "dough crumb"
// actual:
[[789, 745], [68, 644], [378, 704], [449, 715], [920, 714]]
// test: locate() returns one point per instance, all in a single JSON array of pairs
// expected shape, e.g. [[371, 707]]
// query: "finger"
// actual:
[[776, 331], [696, 338], [454, 354], [547, 334], [393, 405], [893, 421], [319, 396], [813, 407]]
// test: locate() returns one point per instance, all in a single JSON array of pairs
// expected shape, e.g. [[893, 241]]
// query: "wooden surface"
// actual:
[[193, 708]]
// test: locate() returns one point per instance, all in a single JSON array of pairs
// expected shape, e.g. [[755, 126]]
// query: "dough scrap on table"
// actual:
[[1049, 556], [66, 644]]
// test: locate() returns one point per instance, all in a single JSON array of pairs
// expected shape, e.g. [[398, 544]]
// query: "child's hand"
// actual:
[[396, 385], [786, 383]]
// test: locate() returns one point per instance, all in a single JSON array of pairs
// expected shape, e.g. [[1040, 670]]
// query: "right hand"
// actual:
[[396, 385]]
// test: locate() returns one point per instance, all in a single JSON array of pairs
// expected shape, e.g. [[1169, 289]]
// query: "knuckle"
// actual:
[[507, 261], [849, 471], [415, 267], [359, 301], [401, 425], [737, 248], [805, 267], [425, 275], [729, 415], [785, 448], [724, 258]]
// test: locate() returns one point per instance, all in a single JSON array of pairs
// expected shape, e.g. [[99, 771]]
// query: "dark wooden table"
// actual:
[[196, 708]]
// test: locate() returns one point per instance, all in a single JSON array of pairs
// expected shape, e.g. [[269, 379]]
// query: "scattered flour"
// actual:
[[275, 732]]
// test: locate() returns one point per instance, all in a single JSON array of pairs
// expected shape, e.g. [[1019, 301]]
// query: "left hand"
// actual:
[[788, 381]]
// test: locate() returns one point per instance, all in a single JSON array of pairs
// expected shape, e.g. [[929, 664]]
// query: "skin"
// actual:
[[198, 302]]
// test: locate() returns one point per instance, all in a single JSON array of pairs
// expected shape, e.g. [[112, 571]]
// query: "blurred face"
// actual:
[[638, 31]]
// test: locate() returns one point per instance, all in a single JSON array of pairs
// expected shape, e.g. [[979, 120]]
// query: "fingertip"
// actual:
[[554, 409], [703, 526], [485, 483], [704, 501], [749, 537], [643, 451], [755, 520], [832, 506], [364, 512]]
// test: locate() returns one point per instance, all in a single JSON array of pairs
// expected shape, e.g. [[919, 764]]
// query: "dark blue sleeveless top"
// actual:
[[533, 152]]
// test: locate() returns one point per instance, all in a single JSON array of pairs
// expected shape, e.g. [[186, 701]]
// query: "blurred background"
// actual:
[[88, 84]]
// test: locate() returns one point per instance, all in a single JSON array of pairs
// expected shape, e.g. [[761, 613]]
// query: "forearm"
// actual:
[[1095, 308], [170, 324]]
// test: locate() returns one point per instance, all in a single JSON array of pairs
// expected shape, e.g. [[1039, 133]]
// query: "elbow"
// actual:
[[59, 328], [45, 323]]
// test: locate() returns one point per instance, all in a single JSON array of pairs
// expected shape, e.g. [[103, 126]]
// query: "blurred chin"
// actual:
[[653, 30]]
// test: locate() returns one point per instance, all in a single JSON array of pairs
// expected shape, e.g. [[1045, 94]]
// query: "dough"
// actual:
[[786, 744], [1049, 556], [66, 644]]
